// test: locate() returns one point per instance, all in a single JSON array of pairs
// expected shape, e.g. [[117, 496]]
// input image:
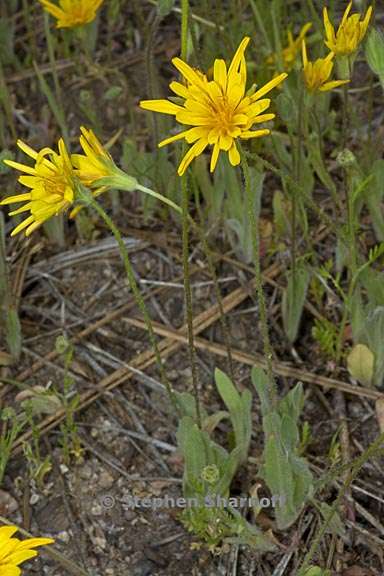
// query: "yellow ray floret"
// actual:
[[317, 73], [218, 111], [290, 52], [51, 183], [14, 552], [350, 33], [95, 163], [72, 13]]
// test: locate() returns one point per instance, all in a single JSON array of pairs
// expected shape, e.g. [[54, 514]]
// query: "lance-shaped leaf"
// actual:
[[294, 300], [239, 408]]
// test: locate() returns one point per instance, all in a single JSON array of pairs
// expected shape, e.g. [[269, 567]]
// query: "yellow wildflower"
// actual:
[[96, 170], [316, 74], [219, 110], [349, 34], [94, 165], [14, 552], [290, 52], [51, 183], [72, 13]]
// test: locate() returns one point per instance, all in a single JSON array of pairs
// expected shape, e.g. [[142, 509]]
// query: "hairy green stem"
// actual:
[[350, 219], [188, 294], [185, 235], [136, 292], [253, 223], [212, 271], [297, 178]]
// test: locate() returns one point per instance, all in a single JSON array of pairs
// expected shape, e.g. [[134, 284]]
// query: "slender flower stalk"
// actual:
[[14, 552], [220, 111], [185, 238], [211, 267], [350, 33], [88, 199], [253, 223], [72, 13]]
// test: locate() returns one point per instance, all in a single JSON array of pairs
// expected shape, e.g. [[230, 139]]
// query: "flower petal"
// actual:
[[163, 106], [269, 86], [194, 151]]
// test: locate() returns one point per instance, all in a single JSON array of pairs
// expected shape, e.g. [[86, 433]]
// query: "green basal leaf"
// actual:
[[293, 301], [286, 473], [260, 382], [239, 407]]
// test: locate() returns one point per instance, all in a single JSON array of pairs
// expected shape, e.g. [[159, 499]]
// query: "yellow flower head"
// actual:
[[316, 74], [95, 163], [290, 52], [51, 183], [14, 552], [218, 110], [72, 13], [350, 33]]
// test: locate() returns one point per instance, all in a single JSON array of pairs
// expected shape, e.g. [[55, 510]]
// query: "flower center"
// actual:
[[223, 115]]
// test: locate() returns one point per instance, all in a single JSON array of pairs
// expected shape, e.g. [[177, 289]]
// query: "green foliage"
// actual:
[[38, 466], [374, 52], [294, 299], [335, 525], [8, 311], [87, 105], [317, 162], [367, 318], [281, 214], [165, 7], [150, 168], [11, 426], [7, 38], [236, 219], [360, 364], [5, 155], [374, 195], [285, 472], [187, 406], [239, 407], [325, 333], [70, 400], [200, 450], [208, 472], [209, 468], [223, 201]]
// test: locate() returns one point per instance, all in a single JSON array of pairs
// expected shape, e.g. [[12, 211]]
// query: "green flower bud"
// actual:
[[346, 158], [210, 474]]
